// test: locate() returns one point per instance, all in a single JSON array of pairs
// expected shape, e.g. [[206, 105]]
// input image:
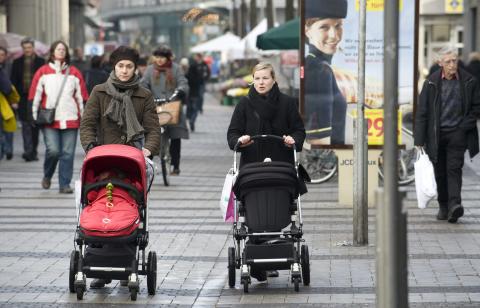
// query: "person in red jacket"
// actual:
[[60, 137]]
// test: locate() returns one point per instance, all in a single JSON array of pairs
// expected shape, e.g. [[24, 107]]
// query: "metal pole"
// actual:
[[392, 285], [360, 176]]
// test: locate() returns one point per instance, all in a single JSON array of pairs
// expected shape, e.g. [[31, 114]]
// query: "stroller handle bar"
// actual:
[[263, 137]]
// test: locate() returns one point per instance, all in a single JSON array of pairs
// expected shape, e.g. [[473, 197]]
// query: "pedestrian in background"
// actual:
[[198, 74], [96, 74], [7, 143], [5, 63], [446, 126], [166, 80], [79, 60], [60, 137], [23, 70], [325, 106], [8, 103], [473, 66]]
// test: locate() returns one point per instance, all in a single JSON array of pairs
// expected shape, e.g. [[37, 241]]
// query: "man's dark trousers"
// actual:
[[448, 168]]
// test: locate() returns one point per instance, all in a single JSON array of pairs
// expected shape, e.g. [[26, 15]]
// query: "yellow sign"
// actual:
[[375, 5], [375, 124], [454, 6]]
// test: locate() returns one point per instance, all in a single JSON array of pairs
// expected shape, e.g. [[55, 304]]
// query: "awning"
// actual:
[[285, 36], [219, 44]]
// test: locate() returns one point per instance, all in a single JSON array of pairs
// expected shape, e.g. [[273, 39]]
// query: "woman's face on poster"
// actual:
[[325, 34]]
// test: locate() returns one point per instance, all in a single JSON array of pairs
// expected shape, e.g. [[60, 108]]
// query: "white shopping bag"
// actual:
[[227, 198], [425, 184]]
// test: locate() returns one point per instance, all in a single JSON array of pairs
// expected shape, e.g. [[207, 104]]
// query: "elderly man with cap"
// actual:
[[120, 111], [325, 106]]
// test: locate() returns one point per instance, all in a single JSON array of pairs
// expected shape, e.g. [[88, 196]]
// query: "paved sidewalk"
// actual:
[[37, 228]]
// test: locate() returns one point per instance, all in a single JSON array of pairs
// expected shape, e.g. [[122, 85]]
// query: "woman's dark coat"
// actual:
[[286, 121], [325, 106], [427, 115]]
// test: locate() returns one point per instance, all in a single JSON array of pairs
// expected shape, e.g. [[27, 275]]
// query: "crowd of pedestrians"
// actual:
[[64, 83]]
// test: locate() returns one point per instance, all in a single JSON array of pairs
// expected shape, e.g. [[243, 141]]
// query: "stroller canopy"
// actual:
[[128, 159], [257, 176]]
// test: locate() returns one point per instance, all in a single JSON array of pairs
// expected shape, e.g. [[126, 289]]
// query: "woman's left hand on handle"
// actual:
[[288, 140]]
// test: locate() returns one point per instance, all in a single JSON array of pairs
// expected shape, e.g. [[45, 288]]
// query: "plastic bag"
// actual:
[[425, 183], [228, 198]]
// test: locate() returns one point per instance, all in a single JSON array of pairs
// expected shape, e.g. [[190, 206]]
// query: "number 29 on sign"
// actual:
[[375, 122]]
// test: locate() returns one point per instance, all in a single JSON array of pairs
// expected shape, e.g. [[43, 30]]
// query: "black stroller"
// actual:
[[267, 202]]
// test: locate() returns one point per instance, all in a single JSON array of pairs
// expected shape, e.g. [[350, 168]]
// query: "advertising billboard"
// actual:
[[329, 72]]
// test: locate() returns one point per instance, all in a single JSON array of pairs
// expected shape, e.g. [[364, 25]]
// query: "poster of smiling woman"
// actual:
[[330, 64]]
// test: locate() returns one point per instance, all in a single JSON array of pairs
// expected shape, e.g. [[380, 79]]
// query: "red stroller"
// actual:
[[112, 228]]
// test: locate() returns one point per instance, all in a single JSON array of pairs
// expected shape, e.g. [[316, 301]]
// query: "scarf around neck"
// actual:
[[167, 69], [121, 110], [265, 105]]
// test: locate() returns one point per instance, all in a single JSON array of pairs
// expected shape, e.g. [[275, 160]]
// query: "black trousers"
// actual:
[[448, 168], [30, 138], [175, 147]]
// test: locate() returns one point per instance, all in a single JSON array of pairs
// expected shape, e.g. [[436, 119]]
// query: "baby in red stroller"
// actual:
[[112, 229]]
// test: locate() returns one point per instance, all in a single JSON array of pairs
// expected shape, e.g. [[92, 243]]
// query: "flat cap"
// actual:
[[326, 8]]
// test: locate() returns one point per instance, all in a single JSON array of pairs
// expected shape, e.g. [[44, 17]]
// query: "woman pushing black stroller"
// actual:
[[266, 128]]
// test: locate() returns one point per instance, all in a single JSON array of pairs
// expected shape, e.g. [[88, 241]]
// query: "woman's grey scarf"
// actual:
[[120, 110]]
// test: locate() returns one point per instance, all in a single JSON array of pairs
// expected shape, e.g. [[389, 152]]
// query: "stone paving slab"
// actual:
[[191, 241]]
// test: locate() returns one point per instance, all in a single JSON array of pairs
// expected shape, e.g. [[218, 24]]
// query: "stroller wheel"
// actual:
[[296, 283], [133, 294], [80, 291], [245, 285], [305, 262], [73, 270], [231, 267], [152, 272]]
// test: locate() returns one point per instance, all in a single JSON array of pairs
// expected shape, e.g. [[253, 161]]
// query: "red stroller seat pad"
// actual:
[[103, 218]]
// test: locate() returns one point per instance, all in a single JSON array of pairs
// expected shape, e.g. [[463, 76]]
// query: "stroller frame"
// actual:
[[139, 264], [298, 261]]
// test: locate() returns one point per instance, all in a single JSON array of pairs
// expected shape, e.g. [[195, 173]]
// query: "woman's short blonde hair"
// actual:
[[263, 66]]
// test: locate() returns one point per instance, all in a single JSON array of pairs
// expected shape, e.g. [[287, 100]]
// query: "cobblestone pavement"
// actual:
[[37, 228]]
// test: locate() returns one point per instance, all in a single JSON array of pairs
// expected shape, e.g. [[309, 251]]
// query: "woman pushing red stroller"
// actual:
[[119, 128]]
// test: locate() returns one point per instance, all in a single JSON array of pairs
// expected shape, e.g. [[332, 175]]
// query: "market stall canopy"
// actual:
[[246, 49], [12, 41], [218, 44], [285, 36]]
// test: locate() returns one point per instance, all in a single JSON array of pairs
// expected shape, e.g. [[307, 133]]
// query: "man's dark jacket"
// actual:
[[427, 116], [24, 110]]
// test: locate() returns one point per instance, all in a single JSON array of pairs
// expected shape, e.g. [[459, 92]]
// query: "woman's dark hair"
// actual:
[[54, 45], [163, 51], [5, 50]]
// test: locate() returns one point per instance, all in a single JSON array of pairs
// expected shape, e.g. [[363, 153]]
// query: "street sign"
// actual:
[[454, 6]]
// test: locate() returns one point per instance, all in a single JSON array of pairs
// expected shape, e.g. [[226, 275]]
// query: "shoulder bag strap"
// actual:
[[67, 72]]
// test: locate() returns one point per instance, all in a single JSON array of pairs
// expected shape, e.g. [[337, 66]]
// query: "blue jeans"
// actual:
[[192, 109], [60, 147]]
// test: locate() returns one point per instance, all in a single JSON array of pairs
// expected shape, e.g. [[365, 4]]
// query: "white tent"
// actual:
[[219, 44], [247, 49]]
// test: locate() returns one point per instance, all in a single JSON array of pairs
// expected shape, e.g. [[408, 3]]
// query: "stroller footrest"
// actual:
[[277, 260]]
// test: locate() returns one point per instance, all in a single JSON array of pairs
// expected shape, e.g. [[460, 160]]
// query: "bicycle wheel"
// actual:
[[165, 159], [406, 171], [321, 164]]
